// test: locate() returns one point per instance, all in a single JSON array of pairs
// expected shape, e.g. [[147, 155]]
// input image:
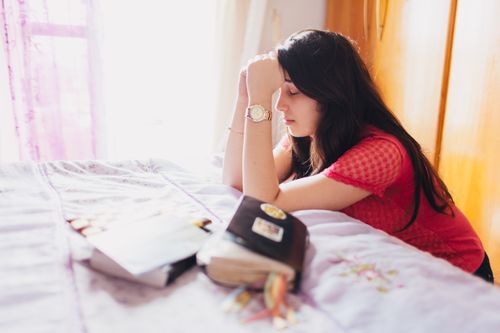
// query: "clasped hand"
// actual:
[[264, 76]]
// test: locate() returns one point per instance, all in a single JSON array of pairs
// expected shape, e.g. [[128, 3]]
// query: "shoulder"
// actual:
[[374, 163], [378, 145], [374, 137]]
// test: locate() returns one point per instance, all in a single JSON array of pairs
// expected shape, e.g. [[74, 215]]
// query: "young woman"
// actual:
[[344, 150]]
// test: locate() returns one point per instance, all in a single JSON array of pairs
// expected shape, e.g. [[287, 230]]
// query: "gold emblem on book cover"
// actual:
[[273, 211]]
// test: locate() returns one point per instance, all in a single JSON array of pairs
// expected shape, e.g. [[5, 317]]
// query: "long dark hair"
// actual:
[[326, 67]]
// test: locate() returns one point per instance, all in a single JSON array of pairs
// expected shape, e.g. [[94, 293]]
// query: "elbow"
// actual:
[[271, 198], [276, 198], [233, 183], [237, 187]]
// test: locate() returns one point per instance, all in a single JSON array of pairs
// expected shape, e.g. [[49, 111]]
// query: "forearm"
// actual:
[[233, 153], [259, 172]]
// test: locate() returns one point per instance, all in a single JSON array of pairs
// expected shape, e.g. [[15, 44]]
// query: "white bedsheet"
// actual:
[[356, 279]]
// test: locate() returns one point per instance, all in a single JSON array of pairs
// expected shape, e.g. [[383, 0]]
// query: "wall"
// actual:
[[285, 17]]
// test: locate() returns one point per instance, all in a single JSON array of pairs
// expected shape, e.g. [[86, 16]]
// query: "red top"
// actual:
[[379, 164]]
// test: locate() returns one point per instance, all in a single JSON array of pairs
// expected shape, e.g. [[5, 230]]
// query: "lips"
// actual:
[[288, 121]]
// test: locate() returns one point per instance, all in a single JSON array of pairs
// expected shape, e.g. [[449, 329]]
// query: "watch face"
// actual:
[[256, 113]]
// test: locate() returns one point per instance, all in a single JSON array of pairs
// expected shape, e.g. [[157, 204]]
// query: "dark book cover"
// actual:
[[270, 231], [180, 267]]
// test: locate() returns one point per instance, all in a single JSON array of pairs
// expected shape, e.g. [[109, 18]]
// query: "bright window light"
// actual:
[[158, 78]]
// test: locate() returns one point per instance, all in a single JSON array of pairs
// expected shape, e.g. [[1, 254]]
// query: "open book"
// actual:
[[260, 239], [158, 277], [153, 251]]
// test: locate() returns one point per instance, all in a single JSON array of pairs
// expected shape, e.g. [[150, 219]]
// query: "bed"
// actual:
[[356, 278]]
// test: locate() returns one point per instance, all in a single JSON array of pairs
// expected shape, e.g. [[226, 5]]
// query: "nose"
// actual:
[[281, 104]]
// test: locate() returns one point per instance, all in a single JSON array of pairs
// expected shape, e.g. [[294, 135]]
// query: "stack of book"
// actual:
[[260, 239]]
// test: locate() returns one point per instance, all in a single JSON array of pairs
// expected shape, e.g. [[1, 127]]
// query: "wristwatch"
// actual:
[[258, 113]]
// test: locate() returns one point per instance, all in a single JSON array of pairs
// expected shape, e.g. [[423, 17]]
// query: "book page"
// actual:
[[142, 246]]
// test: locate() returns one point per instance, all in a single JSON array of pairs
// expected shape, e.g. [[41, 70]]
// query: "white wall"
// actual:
[[285, 17]]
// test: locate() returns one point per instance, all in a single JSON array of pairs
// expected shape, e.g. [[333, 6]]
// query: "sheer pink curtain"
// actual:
[[51, 78]]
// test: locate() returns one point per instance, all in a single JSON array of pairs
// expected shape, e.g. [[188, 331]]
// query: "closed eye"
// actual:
[[290, 93]]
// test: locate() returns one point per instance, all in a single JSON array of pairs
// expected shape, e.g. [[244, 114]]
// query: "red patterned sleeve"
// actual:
[[373, 165]]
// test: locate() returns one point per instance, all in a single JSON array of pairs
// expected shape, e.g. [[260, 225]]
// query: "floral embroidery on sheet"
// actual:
[[382, 280]]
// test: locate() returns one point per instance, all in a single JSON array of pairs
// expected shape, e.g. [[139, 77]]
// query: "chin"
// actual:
[[297, 133]]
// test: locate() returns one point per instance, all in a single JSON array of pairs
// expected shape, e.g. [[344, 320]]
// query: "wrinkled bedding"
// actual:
[[356, 278]]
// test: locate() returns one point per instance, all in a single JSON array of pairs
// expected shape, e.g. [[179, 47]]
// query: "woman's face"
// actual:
[[300, 112]]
